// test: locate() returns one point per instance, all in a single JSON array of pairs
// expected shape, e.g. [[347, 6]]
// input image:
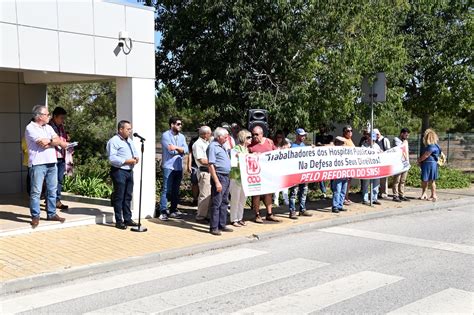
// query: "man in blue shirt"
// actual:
[[122, 157], [302, 189], [219, 168], [174, 148]]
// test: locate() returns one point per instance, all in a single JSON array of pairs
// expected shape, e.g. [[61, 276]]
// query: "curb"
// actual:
[[33, 282]]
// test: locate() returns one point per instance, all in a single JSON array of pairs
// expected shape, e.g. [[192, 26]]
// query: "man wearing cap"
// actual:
[[347, 135], [384, 145], [398, 188], [300, 190]]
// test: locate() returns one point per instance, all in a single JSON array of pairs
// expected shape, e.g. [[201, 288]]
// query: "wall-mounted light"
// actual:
[[125, 42]]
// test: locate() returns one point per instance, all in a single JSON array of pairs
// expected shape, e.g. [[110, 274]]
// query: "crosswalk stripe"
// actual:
[[62, 294], [449, 301], [167, 301], [458, 248], [324, 295]]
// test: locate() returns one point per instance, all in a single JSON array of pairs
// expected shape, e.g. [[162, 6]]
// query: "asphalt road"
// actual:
[[417, 263]]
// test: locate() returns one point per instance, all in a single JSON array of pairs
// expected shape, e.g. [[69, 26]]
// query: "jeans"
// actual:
[[122, 195], [220, 202], [339, 188], [38, 174], [171, 183], [61, 165], [375, 189], [301, 191]]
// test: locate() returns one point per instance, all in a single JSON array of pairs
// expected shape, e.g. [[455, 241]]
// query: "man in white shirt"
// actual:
[[41, 141], [204, 177]]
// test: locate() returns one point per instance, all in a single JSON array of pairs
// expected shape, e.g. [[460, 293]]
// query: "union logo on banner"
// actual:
[[253, 166]]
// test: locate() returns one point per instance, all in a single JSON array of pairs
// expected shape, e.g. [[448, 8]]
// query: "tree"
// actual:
[[439, 41], [301, 60], [91, 115]]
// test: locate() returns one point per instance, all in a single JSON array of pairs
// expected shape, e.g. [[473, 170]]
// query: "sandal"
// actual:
[[242, 222], [433, 199], [424, 197]]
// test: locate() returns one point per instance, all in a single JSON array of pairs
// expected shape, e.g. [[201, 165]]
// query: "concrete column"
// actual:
[[136, 103]]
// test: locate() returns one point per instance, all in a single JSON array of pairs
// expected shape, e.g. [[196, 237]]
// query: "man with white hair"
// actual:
[[384, 144], [219, 168], [42, 142], [203, 175]]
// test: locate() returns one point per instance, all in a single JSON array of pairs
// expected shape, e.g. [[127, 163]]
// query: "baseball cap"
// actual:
[[346, 128], [376, 131], [300, 132]]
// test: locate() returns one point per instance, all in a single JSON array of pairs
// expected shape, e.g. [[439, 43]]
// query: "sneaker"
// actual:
[[179, 213], [163, 217], [176, 215], [376, 202], [342, 209], [258, 219], [335, 210], [403, 198], [305, 214], [293, 215], [396, 199], [272, 218]]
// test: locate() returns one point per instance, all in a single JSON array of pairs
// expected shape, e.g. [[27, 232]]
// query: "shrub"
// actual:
[[90, 179], [448, 178]]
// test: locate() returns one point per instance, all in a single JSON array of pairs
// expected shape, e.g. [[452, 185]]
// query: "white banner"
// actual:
[[273, 171]]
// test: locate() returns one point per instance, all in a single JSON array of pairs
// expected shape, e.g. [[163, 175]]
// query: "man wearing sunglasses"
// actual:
[[260, 144], [174, 148]]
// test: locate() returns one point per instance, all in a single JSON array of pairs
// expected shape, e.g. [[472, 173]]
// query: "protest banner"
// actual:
[[276, 170]]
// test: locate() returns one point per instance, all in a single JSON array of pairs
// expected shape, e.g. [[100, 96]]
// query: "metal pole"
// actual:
[[447, 153], [371, 136], [140, 228]]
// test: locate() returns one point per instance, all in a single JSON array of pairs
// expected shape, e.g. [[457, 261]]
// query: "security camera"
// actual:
[[125, 41]]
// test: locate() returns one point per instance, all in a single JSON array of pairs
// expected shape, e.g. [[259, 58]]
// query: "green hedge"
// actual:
[[448, 178]]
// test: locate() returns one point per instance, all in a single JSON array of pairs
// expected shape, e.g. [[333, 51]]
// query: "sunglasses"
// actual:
[[255, 134], [178, 124], [249, 137], [348, 130]]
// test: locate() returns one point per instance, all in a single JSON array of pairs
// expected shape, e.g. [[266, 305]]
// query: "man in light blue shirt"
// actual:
[[122, 156], [174, 148], [301, 190]]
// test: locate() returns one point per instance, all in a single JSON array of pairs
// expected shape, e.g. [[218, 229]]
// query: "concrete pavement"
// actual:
[[390, 265], [47, 257]]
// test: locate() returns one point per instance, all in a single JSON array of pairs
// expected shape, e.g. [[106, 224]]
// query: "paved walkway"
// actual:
[[55, 250]]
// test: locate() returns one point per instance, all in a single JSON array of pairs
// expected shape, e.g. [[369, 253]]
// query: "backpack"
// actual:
[[383, 144], [441, 157]]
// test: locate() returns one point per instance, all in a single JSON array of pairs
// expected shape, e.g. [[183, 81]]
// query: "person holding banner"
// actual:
[[399, 180], [428, 163], [347, 138], [339, 185], [375, 182], [281, 143], [260, 144], [300, 190], [219, 168], [237, 202]]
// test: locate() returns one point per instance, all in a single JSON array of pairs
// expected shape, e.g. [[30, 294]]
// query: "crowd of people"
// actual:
[[215, 174], [216, 182]]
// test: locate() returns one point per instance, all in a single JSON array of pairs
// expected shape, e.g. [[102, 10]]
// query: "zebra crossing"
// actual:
[[321, 295]]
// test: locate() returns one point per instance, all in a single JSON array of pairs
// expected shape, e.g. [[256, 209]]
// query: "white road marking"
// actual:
[[458, 248], [170, 300], [62, 294], [324, 295], [449, 301]]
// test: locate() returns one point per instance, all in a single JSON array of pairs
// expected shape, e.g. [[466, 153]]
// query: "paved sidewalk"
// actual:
[[64, 249]]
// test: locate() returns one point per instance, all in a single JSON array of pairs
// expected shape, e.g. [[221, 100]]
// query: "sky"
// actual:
[[157, 34]]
